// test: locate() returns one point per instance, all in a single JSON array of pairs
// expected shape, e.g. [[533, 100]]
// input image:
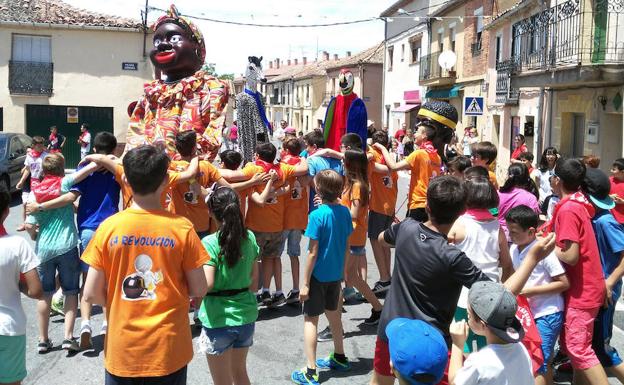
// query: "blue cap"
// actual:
[[417, 350]]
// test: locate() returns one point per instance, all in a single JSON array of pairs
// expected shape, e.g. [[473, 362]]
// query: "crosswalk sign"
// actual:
[[473, 105]]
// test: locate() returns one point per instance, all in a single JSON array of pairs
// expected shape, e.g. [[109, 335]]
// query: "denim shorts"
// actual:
[[85, 237], [358, 250], [291, 238], [68, 267], [549, 327], [12, 358], [216, 341]]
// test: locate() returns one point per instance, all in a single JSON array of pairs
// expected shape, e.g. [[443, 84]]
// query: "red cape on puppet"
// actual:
[[345, 114]]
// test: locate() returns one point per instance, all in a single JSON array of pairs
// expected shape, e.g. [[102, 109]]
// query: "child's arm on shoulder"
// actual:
[[301, 169], [569, 253], [307, 271], [558, 285], [392, 165], [261, 198], [84, 172], [504, 258], [329, 153], [459, 335], [95, 287], [31, 286], [108, 162], [190, 172], [256, 179], [542, 248], [380, 168]]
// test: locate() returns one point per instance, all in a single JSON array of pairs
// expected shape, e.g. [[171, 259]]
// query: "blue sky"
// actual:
[[228, 46]]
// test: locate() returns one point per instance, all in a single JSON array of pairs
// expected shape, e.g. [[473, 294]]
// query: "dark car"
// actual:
[[13, 148]]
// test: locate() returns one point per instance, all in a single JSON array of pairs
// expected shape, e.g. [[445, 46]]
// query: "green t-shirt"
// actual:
[[239, 309]]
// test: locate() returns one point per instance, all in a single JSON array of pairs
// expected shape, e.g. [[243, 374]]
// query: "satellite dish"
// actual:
[[447, 60]]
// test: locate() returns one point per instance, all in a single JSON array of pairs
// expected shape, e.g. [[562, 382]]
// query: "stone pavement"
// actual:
[[277, 350]]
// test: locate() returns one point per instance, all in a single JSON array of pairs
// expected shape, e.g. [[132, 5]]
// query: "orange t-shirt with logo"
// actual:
[[360, 224], [144, 256], [185, 200], [384, 187], [296, 205], [270, 217], [127, 193], [425, 165]]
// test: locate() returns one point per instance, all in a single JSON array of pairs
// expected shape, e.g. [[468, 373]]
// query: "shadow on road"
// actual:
[[265, 314], [358, 368]]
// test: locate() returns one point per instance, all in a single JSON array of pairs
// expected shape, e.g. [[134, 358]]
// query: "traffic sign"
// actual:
[[473, 105]]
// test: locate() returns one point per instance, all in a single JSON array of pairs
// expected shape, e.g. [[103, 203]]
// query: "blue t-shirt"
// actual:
[[320, 163], [610, 239], [57, 232], [99, 199], [331, 226]]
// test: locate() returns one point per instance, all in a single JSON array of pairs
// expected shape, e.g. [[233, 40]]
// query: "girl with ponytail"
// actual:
[[228, 312]]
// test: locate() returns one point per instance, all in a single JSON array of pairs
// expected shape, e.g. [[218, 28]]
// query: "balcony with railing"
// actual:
[[475, 48], [31, 78], [505, 93], [432, 73], [567, 36]]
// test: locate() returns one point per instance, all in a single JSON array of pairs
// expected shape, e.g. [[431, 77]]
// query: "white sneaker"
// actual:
[[85, 337]]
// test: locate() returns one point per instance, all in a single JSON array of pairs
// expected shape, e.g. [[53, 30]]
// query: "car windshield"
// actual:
[[3, 147]]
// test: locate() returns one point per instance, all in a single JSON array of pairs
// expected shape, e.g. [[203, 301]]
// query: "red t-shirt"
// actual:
[[587, 287], [617, 187]]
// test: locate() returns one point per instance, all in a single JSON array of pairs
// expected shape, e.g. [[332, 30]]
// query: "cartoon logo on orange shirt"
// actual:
[[141, 285]]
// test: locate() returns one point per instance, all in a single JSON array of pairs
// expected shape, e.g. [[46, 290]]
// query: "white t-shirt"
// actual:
[[494, 364], [545, 269], [35, 164], [16, 257], [86, 147], [544, 183]]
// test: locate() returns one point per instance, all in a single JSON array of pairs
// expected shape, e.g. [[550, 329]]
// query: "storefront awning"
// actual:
[[406, 108], [444, 93]]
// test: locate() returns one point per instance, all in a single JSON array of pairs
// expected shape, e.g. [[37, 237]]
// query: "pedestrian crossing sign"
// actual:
[[473, 105]]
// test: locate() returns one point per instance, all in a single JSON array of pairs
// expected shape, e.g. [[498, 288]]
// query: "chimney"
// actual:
[[277, 63], [296, 61], [271, 64], [305, 60], [325, 56], [288, 62], [348, 53], [335, 57]]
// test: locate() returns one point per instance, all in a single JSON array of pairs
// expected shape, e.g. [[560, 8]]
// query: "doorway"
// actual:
[[578, 135]]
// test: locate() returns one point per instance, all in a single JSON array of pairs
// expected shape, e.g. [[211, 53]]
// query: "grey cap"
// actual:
[[497, 307]]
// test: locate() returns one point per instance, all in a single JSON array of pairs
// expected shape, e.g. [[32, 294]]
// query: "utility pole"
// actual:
[[144, 19]]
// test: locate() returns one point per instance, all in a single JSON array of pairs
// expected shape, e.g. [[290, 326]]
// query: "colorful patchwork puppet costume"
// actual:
[[186, 98], [345, 113]]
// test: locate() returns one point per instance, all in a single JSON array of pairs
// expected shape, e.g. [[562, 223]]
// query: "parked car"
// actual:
[[13, 148]]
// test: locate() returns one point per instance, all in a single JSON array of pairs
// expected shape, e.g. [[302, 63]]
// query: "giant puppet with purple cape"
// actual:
[[346, 113]]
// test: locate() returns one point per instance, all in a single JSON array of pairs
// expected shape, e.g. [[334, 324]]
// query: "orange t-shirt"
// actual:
[[360, 224], [296, 205], [270, 217], [144, 256], [126, 190], [425, 165], [384, 187], [184, 199], [493, 179]]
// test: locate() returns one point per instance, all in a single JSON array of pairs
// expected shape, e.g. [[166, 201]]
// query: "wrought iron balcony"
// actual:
[[505, 94], [31, 78], [431, 70], [475, 48]]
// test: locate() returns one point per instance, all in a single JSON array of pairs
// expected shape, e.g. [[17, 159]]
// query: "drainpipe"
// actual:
[[145, 29], [550, 116], [537, 135]]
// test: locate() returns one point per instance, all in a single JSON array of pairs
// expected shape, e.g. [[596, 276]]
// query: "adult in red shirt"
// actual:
[[400, 133], [617, 189], [519, 147]]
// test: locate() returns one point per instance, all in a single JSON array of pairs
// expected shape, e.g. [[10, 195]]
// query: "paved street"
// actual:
[[277, 350]]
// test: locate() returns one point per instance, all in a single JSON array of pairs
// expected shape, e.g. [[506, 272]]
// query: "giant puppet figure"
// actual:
[[345, 113], [184, 98], [251, 119]]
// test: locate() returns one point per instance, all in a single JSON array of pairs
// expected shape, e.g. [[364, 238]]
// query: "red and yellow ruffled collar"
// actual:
[[162, 94]]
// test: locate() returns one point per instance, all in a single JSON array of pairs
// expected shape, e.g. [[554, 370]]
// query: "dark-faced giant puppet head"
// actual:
[[179, 49]]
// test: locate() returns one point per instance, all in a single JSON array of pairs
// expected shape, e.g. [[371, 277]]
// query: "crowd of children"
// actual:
[[194, 235]]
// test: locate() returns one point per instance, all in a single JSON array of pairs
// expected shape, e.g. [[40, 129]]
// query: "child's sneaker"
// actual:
[[44, 347], [373, 319], [381, 288], [300, 377], [324, 335], [293, 297], [277, 300], [332, 363], [349, 294], [70, 345], [265, 298], [85, 337]]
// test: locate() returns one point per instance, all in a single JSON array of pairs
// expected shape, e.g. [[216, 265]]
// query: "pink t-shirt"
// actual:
[[511, 199], [617, 187], [587, 286], [233, 133]]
